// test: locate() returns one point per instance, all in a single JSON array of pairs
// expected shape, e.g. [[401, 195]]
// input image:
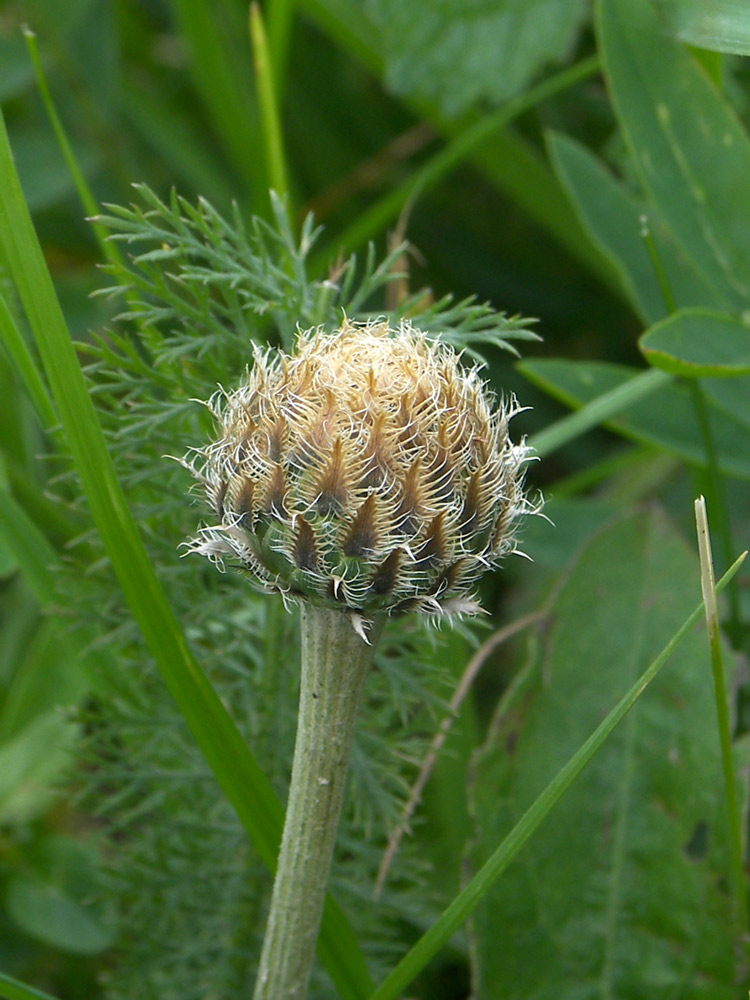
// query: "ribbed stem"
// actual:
[[335, 664]]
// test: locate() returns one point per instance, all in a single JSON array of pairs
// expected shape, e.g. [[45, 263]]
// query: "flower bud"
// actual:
[[368, 471]]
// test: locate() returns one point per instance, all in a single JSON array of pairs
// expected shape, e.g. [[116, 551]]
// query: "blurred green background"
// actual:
[[430, 120]]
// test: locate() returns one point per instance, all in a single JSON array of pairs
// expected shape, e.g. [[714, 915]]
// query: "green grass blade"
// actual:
[[708, 587], [597, 411], [105, 497], [25, 367], [441, 932], [273, 143], [234, 766], [279, 18], [109, 250], [221, 70], [12, 989]]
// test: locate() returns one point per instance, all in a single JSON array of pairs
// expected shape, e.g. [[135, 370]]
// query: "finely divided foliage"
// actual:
[[204, 298]]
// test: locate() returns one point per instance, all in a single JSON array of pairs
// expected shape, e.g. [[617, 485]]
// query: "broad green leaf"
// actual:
[[552, 541], [461, 52], [619, 893], [50, 899], [690, 150], [666, 419], [48, 676], [697, 343], [721, 25], [729, 398], [615, 220]]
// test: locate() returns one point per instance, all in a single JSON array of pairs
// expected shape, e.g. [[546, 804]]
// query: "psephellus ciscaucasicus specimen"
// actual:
[[368, 474]]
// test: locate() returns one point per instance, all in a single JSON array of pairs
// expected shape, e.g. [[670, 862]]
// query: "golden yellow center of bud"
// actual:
[[367, 471]]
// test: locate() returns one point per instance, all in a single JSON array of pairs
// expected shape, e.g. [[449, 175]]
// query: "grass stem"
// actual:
[[708, 589], [718, 503]]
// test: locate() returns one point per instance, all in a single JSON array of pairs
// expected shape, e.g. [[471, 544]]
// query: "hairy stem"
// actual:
[[335, 664]]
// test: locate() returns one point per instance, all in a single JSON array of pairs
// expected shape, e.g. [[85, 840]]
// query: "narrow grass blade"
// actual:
[[440, 933], [271, 125], [12, 989], [216, 40], [708, 588], [25, 367], [715, 487], [109, 250], [597, 411], [235, 768], [279, 17]]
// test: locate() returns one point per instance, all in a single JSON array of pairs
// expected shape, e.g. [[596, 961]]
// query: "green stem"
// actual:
[[335, 664], [661, 274], [718, 503], [708, 588]]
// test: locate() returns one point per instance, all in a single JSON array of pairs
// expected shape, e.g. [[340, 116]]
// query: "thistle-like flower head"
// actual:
[[368, 471]]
